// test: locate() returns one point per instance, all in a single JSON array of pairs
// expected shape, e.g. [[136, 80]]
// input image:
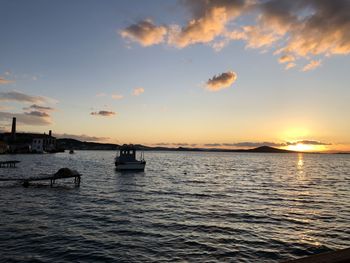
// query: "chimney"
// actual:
[[13, 131], [50, 133]]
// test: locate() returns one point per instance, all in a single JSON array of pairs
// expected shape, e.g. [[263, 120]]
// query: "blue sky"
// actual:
[[73, 53]]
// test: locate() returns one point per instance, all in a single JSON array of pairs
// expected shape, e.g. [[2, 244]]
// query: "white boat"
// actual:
[[126, 160]]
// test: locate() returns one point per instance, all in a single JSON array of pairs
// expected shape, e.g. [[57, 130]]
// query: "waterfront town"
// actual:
[[20, 142]]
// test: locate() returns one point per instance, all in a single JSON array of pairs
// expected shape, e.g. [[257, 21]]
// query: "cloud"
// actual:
[[221, 81], [305, 29], [103, 113], [25, 118], [4, 108], [212, 145], [208, 21], [254, 144], [145, 32], [138, 91], [162, 144], [298, 29], [39, 108], [117, 96], [286, 59], [21, 97], [82, 137], [101, 94], [290, 65], [308, 142], [37, 114], [184, 144], [169, 144], [255, 36], [312, 65], [5, 81]]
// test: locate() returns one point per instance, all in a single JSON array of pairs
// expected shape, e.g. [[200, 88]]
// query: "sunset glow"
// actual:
[[302, 147]]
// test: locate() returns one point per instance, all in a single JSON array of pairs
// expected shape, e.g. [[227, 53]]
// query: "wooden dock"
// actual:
[[62, 173], [8, 164], [339, 256]]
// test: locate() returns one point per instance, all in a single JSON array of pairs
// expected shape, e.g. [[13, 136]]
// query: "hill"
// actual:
[[67, 144]]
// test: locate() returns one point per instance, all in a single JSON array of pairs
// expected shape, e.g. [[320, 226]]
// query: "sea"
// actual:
[[185, 207]]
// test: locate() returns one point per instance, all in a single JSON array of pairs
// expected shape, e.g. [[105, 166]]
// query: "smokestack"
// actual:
[[50, 133], [13, 131]]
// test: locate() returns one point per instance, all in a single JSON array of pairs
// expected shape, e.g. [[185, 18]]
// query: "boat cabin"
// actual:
[[127, 153], [127, 159]]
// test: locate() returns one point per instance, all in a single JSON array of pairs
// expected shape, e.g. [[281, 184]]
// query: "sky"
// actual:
[[195, 73]]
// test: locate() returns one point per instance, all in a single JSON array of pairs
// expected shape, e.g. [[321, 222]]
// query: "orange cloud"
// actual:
[[298, 29], [286, 59], [138, 91], [255, 36], [312, 65], [209, 21], [145, 32], [117, 96], [290, 65], [5, 81], [219, 82]]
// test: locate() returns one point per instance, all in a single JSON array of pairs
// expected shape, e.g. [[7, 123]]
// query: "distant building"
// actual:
[[43, 143], [38, 145], [28, 142], [3, 147]]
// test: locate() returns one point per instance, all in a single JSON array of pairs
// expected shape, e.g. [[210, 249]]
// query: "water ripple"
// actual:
[[186, 206]]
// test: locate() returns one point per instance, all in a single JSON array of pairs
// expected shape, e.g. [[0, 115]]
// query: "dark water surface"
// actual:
[[195, 207]]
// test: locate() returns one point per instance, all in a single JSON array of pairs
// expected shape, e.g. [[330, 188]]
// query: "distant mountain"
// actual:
[[268, 149], [68, 144]]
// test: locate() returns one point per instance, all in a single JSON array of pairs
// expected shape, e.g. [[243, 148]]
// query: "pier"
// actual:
[[8, 164], [338, 256], [62, 173]]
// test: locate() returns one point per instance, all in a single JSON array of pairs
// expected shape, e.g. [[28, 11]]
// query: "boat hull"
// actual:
[[140, 166]]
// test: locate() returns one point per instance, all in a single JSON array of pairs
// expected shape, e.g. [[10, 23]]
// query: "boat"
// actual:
[[126, 159]]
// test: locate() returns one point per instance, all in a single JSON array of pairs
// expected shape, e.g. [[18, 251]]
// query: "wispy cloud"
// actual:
[[221, 81], [26, 118], [308, 142], [21, 97], [5, 81], [312, 65], [253, 144], [117, 96], [248, 144], [290, 65], [103, 113], [138, 91], [39, 108], [286, 59], [37, 114], [176, 144]]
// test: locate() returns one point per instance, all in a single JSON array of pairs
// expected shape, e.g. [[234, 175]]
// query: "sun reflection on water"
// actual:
[[300, 166]]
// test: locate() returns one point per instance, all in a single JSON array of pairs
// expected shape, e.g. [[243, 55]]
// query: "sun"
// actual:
[[300, 147]]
